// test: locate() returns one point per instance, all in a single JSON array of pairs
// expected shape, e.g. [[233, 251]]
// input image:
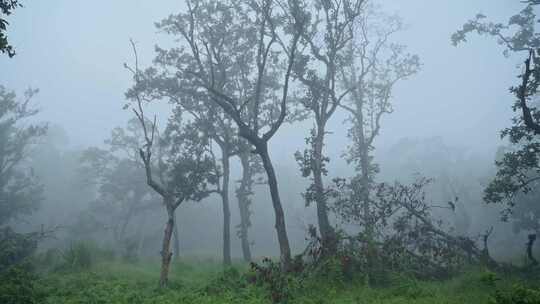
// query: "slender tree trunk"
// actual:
[[242, 194], [363, 146], [530, 244], [326, 230], [285, 249], [166, 253], [141, 235], [125, 222], [176, 239], [365, 184], [226, 210]]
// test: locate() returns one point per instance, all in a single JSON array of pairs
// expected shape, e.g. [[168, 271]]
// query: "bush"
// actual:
[[280, 285], [77, 256], [489, 278], [18, 286], [517, 294], [83, 255], [15, 248], [411, 289]]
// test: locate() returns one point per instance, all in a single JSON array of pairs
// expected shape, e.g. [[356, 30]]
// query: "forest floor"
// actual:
[[207, 282]]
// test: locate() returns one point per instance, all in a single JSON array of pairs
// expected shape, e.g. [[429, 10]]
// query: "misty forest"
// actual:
[[270, 151]]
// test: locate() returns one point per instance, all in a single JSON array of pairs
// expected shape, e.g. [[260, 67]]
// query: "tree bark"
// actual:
[[285, 250], [530, 244], [176, 239], [142, 235], [242, 194], [166, 253], [326, 230], [226, 210]]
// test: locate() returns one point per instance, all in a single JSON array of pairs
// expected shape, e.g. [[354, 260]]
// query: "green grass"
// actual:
[[206, 282]]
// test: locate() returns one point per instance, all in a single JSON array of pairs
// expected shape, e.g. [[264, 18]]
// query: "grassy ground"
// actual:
[[206, 282]]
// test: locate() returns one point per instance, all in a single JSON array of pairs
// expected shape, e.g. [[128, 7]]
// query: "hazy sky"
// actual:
[[74, 51]]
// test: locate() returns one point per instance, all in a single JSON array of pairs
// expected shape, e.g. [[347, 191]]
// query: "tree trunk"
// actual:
[[226, 210], [326, 230], [284, 248], [141, 235], [363, 146], [166, 253], [530, 244], [242, 194], [176, 239]]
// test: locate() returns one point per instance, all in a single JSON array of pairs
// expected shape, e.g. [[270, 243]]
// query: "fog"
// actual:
[[74, 53]]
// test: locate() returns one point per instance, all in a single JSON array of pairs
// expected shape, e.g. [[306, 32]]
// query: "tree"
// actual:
[[218, 129], [519, 168], [20, 191], [122, 193], [375, 66], [334, 21], [234, 52], [211, 121], [182, 170], [251, 166], [6, 8]]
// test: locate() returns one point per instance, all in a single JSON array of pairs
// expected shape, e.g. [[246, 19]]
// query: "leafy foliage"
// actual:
[[518, 294], [15, 248], [17, 277], [18, 286], [518, 169], [6, 8], [20, 191], [407, 237], [117, 173]]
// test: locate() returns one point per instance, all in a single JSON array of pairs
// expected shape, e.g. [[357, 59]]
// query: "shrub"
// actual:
[[15, 248], [78, 256], [18, 286], [489, 278], [280, 284], [517, 294]]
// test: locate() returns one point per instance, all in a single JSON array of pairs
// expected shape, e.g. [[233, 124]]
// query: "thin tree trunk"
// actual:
[[166, 253], [284, 248], [530, 244], [176, 239], [141, 235], [226, 210], [363, 146], [326, 230], [242, 195]]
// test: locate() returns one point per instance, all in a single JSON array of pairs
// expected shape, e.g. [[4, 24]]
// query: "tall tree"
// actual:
[[20, 191], [327, 39], [251, 166], [182, 170], [217, 128], [211, 121], [519, 168], [234, 51], [6, 8], [375, 65]]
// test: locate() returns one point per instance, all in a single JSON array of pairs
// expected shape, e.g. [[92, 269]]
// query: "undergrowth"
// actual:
[[208, 282]]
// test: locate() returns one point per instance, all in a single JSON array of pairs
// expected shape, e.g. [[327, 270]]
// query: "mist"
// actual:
[[120, 112]]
